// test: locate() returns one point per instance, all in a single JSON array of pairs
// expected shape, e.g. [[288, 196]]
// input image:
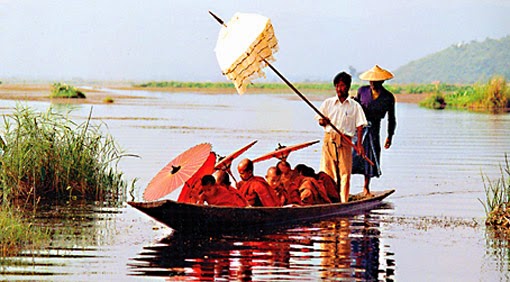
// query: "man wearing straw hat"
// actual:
[[376, 102], [347, 116]]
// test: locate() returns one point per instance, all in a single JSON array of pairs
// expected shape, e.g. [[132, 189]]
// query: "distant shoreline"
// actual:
[[95, 94]]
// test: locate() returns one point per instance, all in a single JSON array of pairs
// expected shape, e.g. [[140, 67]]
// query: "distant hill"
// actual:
[[461, 63]]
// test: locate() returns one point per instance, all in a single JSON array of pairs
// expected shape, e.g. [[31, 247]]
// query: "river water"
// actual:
[[430, 229]]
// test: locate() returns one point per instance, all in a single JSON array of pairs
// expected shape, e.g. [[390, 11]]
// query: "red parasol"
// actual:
[[176, 172], [191, 187], [282, 152], [226, 162]]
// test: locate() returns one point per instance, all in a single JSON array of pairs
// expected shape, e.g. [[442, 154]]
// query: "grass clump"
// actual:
[[62, 90], [493, 96], [47, 157], [497, 202], [108, 100], [17, 232], [434, 101]]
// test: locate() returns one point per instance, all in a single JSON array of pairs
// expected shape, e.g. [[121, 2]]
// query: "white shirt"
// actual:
[[346, 116]]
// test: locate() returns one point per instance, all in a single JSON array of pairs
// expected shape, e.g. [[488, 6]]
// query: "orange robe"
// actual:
[[312, 192], [258, 193], [330, 185], [291, 185], [226, 198]]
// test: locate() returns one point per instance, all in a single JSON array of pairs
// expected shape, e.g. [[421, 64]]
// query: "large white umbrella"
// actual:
[[243, 45]]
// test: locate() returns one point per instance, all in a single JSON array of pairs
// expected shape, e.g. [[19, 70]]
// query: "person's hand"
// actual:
[[387, 143], [359, 149], [324, 121]]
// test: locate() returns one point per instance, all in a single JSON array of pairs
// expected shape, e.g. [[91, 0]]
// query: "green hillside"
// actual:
[[461, 63]]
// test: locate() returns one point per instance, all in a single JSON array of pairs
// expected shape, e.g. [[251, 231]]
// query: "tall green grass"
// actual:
[[497, 198], [493, 96], [47, 157]]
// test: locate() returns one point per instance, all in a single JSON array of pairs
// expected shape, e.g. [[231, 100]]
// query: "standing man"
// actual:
[[377, 102], [348, 117]]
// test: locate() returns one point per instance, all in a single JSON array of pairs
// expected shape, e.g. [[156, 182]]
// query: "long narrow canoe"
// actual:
[[202, 218]]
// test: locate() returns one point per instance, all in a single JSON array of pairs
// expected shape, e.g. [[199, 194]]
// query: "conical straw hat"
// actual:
[[376, 74]]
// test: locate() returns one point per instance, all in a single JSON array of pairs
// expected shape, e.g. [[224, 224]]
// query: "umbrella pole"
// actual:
[[232, 175], [313, 107]]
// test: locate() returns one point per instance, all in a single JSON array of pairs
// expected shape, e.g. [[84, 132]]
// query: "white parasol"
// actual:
[[243, 45]]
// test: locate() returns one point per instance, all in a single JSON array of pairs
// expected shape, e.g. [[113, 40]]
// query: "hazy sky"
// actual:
[[175, 39]]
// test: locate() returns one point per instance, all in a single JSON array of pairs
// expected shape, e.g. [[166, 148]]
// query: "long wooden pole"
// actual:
[[301, 96], [314, 108]]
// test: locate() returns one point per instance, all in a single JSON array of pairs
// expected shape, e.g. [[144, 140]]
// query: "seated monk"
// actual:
[[288, 179], [324, 179], [255, 188], [273, 179], [223, 179], [330, 185], [312, 192], [217, 195]]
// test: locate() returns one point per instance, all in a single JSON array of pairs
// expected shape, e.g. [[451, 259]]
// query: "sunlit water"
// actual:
[[431, 229]]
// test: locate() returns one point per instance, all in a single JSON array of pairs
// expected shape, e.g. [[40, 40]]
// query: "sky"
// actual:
[[142, 40]]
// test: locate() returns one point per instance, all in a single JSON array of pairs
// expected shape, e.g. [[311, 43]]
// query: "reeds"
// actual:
[[494, 96], [497, 202], [47, 157]]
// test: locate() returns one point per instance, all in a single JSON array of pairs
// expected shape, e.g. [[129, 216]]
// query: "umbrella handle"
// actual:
[[218, 19], [231, 175]]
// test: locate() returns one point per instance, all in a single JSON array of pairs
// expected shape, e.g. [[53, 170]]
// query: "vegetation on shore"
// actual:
[[229, 85], [497, 202], [411, 88], [63, 90], [46, 158], [493, 96]]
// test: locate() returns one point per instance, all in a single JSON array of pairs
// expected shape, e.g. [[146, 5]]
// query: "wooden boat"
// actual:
[[214, 219]]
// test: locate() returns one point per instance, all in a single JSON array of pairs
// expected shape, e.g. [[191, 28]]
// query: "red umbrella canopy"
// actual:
[[226, 162], [282, 152], [176, 172], [192, 187]]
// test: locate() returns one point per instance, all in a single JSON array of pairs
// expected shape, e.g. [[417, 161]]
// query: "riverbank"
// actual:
[[98, 94]]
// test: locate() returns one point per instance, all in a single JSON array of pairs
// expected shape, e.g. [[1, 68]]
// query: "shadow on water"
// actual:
[[343, 248]]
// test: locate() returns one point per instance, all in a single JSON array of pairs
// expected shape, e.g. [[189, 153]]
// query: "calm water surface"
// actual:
[[430, 230]]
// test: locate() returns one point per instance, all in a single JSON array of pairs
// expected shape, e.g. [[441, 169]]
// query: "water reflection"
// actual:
[[497, 252], [88, 241], [344, 248]]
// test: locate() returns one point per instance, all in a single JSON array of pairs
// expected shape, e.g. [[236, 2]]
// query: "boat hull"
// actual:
[[202, 218]]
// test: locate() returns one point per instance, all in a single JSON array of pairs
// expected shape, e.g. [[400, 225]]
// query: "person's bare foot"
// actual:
[[366, 193]]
